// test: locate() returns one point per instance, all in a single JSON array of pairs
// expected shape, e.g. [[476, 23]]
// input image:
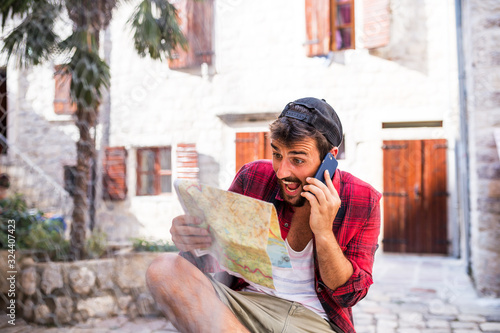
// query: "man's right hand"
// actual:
[[187, 235]]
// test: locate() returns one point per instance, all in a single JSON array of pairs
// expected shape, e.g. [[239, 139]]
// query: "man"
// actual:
[[330, 229]]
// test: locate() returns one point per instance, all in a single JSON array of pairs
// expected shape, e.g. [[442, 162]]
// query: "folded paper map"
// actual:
[[245, 231]]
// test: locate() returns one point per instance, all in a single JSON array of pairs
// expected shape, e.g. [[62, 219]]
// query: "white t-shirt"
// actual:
[[295, 284]]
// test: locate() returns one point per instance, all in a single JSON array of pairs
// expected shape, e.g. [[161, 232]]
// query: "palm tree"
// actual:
[[34, 40]]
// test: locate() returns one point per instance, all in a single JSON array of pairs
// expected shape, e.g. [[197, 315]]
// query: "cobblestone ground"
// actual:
[[411, 294], [424, 294]]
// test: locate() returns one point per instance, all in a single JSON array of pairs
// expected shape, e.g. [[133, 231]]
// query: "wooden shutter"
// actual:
[[318, 26], [377, 19], [115, 173], [187, 161], [62, 99], [251, 147], [196, 21]]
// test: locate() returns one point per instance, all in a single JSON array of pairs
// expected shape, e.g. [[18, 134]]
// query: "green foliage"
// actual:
[[13, 8], [156, 30], [34, 39], [89, 75], [15, 208], [97, 244], [43, 236], [32, 230], [144, 245], [47, 242]]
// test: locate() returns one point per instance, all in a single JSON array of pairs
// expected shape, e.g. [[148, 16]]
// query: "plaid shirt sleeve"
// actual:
[[360, 251]]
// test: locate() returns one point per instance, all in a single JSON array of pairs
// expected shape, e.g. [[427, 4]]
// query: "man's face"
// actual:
[[292, 165]]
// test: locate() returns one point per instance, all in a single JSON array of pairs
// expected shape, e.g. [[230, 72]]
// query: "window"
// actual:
[[3, 110], [154, 171], [330, 25], [343, 25], [196, 19], [62, 99]]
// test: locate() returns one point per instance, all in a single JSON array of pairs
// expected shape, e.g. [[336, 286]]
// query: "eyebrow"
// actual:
[[293, 152]]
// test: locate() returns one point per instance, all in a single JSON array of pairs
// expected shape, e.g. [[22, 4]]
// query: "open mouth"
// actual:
[[291, 188]]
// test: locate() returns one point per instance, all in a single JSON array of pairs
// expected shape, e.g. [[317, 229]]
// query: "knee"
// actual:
[[160, 266], [165, 269]]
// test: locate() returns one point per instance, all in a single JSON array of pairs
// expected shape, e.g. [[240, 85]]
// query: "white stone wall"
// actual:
[[481, 40], [260, 65]]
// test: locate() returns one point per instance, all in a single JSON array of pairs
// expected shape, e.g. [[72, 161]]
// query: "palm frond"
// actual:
[[13, 8], [81, 38], [89, 76], [156, 30], [34, 39]]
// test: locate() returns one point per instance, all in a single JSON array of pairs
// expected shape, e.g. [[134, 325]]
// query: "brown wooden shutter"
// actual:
[[115, 173], [197, 21], [251, 147], [318, 25], [187, 161], [62, 99], [377, 23]]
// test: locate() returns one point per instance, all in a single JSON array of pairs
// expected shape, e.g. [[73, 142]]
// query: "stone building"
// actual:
[[388, 67], [480, 96]]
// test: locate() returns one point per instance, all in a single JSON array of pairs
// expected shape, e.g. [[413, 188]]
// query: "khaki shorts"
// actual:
[[264, 313]]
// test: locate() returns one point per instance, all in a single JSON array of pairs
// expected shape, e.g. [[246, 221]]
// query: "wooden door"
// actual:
[[415, 197], [252, 146]]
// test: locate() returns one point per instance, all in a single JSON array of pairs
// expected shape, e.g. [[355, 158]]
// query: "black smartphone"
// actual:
[[330, 164]]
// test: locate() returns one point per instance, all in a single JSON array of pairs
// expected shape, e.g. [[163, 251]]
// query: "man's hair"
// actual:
[[289, 131]]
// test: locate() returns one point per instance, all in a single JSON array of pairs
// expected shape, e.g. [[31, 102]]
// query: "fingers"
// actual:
[[186, 220], [187, 235], [318, 192]]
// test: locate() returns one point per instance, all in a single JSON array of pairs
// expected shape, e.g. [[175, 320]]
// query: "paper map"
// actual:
[[245, 231]]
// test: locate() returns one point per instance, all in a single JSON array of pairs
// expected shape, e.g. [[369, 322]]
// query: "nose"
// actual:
[[282, 169]]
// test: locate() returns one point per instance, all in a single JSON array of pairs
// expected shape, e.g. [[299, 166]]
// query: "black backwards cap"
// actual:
[[320, 115]]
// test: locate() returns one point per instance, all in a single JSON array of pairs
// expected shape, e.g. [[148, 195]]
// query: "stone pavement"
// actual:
[[430, 294], [411, 294]]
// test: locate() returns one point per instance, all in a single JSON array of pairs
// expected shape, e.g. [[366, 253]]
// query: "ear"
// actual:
[[334, 151]]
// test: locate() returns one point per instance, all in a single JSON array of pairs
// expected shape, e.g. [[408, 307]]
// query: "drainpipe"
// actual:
[[463, 146]]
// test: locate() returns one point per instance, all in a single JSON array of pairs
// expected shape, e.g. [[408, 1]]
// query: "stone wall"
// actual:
[[70, 292], [482, 59]]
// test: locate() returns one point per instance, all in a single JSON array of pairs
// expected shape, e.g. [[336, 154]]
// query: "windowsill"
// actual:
[[343, 57], [62, 118]]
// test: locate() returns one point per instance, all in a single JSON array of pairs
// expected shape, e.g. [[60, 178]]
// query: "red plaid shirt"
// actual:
[[356, 228]]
